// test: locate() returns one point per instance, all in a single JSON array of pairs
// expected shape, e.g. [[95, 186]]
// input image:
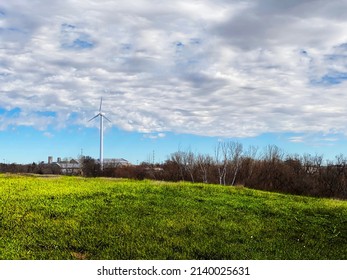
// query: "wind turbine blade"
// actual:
[[100, 104], [94, 117], [106, 118]]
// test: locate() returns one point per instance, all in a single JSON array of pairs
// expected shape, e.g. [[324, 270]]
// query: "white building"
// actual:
[[116, 162]]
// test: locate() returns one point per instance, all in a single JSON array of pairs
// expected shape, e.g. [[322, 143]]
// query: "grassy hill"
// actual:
[[79, 218]]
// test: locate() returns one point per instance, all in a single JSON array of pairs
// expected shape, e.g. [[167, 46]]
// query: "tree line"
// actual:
[[231, 164]]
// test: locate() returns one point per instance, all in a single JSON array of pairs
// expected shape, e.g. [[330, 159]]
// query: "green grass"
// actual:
[[78, 218]]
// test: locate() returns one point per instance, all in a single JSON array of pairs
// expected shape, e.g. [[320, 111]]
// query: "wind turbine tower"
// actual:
[[102, 116]]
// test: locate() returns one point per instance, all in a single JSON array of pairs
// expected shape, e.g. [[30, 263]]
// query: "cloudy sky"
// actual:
[[173, 75]]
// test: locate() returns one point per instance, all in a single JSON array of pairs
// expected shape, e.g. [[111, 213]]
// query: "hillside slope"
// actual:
[[77, 218]]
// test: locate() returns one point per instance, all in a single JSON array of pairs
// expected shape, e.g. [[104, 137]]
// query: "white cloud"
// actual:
[[297, 139], [154, 136], [216, 68]]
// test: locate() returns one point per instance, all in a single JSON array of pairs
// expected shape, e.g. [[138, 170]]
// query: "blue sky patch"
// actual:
[[47, 113], [333, 78], [74, 116], [73, 39], [10, 113], [82, 44], [78, 44]]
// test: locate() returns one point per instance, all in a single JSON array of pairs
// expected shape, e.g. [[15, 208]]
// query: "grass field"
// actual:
[[79, 218]]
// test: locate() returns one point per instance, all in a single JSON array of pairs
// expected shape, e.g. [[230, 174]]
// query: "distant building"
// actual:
[[67, 167], [70, 167], [73, 167], [116, 162]]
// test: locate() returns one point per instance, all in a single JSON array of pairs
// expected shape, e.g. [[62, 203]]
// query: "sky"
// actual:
[[173, 75]]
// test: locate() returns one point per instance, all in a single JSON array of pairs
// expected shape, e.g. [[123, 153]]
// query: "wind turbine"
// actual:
[[102, 116]]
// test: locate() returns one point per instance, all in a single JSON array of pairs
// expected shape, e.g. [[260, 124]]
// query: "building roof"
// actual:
[[120, 161]]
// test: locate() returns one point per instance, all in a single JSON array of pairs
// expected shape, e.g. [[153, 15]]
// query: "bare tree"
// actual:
[[221, 159], [250, 157], [204, 163], [234, 154], [178, 158], [273, 154], [312, 164], [189, 163]]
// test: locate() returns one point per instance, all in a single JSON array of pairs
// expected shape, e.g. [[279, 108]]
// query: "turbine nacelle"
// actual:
[[100, 114]]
